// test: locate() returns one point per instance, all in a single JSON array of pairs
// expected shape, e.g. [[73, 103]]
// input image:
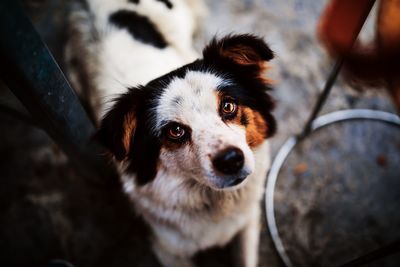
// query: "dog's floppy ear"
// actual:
[[240, 50], [118, 126]]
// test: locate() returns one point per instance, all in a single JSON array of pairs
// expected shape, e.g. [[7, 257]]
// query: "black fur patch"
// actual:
[[144, 148], [167, 3], [145, 151], [133, 1], [244, 120], [140, 27]]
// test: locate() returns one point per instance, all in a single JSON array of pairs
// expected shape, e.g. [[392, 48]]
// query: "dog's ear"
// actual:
[[240, 50], [118, 126]]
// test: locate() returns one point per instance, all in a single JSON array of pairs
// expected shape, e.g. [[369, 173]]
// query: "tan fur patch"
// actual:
[[242, 55], [256, 129], [129, 127], [264, 67], [238, 116]]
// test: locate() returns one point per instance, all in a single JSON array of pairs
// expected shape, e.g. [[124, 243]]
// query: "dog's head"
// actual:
[[201, 121]]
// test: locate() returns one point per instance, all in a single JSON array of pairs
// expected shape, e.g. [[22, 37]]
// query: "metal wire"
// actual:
[[322, 98], [283, 153]]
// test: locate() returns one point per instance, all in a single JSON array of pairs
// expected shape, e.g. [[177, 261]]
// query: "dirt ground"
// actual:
[[337, 196]]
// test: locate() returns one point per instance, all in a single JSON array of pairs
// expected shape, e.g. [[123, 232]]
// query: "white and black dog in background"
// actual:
[[188, 135]]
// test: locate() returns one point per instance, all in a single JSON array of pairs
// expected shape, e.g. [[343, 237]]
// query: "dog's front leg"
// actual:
[[249, 241], [167, 259]]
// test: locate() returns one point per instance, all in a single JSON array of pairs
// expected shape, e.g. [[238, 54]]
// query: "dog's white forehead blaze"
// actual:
[[193, 101], [187, 97]]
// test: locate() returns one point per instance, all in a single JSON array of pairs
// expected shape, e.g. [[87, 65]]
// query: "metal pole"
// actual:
[[322, 98], [28, 68]]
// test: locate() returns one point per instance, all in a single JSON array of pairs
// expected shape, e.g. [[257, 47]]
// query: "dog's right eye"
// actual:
[[176, 132]]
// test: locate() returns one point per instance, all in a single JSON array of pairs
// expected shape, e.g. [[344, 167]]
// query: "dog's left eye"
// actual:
[[228, 108]]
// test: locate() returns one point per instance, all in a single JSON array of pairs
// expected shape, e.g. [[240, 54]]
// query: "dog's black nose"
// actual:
[[229, 160]]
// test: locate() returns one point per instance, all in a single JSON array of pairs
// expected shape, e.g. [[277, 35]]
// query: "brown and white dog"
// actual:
[[189, 136]]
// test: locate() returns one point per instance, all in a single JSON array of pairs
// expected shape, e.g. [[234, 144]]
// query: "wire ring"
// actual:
[[287, 147]]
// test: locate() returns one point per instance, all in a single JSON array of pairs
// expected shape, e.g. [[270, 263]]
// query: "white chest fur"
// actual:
[[187, 219]]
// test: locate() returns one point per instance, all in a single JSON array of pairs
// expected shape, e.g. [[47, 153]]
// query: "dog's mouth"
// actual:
[[233, 182], [228, 182]]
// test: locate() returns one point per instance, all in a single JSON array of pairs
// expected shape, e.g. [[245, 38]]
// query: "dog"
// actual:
[[188, 134]]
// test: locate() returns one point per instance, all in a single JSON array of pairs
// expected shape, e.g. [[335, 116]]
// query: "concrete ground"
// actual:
[[337, 196]]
